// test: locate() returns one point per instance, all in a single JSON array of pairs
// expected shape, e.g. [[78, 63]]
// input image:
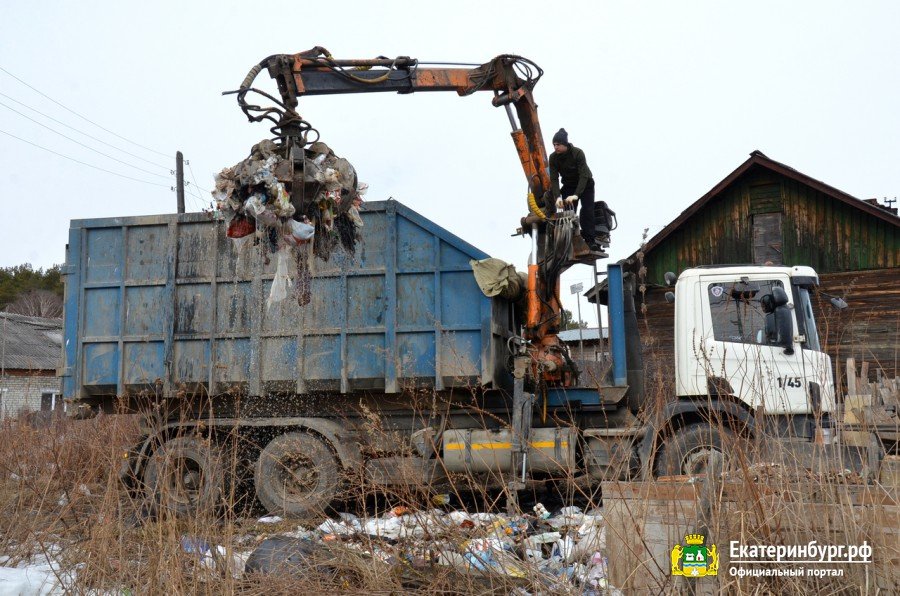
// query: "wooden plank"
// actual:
[[891, 245], [792, 246], [828, 233], [851, 376], [811, 218], [846, 220], [765, 198], [865, 253]]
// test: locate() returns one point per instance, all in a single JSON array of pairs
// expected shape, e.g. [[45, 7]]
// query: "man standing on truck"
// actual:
[[568, 161]]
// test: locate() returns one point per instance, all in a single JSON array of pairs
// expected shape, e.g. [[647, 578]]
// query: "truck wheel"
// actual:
[[297, 474], [185, 475], [692, 449]]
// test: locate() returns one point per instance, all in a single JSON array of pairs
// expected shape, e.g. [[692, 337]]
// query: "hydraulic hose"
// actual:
[[533, 207]]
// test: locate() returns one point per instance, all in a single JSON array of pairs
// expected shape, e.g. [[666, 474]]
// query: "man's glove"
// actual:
[[571, 200], [559, 203]]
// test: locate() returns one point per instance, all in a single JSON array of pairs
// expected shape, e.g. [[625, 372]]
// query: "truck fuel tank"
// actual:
[[550, 450]]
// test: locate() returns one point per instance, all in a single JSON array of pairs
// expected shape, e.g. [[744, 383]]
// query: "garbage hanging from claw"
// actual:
[[306, 201]]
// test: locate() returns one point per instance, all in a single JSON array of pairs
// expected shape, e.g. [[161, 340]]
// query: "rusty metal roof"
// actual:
[[30, 343]]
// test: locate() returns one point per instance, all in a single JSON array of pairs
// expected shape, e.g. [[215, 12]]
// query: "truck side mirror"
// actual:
[[785, 328], [670, 278], [670, 297], [771, 332], [783, 325]]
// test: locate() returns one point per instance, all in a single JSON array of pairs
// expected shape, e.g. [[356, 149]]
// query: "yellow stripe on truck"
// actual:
[[497, 445]]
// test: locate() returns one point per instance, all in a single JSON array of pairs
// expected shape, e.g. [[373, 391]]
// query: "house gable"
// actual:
[[765, 211]]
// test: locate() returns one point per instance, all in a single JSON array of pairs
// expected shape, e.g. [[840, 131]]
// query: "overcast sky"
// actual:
[[665, 98]]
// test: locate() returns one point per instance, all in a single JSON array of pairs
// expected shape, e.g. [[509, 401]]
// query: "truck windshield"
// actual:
[[809, 321]]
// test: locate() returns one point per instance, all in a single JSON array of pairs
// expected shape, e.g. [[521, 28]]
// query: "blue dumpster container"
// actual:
[[163, 303]]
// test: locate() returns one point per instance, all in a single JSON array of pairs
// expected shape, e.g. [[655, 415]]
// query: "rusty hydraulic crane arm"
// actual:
[[512, 79], [315, 72]]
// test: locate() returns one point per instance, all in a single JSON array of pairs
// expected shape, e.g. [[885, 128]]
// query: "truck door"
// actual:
[[738, 344]]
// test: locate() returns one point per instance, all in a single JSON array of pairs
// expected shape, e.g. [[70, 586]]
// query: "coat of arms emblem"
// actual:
[[694, 558]]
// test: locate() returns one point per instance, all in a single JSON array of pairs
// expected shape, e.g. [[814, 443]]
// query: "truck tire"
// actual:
[[185, 476], [297, 474], [692, 448]]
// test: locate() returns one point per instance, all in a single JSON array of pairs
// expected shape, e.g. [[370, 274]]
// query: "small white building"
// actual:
[[30, 352]]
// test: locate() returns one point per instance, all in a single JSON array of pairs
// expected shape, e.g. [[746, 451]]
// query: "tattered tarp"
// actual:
[[498, 278]]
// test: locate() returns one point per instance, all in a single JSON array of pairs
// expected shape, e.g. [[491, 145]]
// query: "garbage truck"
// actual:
[[397, 368]]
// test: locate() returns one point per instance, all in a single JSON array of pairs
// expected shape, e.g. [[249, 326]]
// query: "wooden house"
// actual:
[[767, 212]]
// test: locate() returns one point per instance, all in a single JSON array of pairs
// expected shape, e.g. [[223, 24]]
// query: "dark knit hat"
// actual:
[[561, 137]]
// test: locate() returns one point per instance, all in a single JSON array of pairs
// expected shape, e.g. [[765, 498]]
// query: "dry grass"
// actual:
[[61, 496]]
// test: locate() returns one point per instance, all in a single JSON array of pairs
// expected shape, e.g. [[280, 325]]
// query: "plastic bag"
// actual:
[[282, 202], [242, 250], [591, 538], [353, 213], [239, 227], [298, 232], [332, 179], [264, 170], [282, 282], [254, 206]]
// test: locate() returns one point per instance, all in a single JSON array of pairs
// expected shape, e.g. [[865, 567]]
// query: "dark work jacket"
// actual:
[[573, 168]]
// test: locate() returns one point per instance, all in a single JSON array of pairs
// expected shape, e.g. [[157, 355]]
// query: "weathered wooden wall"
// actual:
[[817, 230], [656, 322], [832, 236], [869, 328]]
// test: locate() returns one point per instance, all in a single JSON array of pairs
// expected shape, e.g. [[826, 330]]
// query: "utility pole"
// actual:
[[179, 180], [576, 289]]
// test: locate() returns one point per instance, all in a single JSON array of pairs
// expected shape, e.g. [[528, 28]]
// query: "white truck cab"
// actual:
[[748, 333]]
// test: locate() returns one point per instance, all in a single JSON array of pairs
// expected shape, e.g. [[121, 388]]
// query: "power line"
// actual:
[[196, 187], [80, 143], [84, 163], [80, 116], [191, 170], [194, 196], [193, 189], [136, 156]]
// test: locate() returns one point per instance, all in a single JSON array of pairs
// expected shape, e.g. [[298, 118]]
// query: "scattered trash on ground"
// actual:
[[560, 552]]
